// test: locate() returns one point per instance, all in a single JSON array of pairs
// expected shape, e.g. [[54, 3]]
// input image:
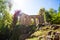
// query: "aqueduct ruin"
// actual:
[[32, 19]]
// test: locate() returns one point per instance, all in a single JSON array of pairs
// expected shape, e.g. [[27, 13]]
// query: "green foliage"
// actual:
[[52, 16], [5, 17], [20, 30], [59, 8], [51, 10], [2, 8], [5, 20], [48, 17]]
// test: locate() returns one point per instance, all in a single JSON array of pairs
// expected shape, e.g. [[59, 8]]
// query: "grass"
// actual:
[[35, 38]]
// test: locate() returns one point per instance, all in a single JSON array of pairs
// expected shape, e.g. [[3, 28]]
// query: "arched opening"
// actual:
[[32, 21], [37, 21], [18, 21]]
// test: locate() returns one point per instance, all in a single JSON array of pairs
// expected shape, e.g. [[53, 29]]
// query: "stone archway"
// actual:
[[32, 21], [27, 19], [37, 21], [35, 18]]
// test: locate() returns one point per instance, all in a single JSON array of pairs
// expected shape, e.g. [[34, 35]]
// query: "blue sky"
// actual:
[[32, 7]]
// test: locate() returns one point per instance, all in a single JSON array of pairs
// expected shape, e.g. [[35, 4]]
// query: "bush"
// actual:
[[20, 30], [5, 33]]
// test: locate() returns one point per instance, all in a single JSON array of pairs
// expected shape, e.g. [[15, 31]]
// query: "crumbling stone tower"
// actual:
[[42, 18]]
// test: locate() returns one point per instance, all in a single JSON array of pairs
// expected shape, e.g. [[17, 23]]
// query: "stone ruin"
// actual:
[[25, 19]]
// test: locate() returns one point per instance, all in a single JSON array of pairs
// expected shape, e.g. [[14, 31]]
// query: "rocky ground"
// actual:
[[46, 33]]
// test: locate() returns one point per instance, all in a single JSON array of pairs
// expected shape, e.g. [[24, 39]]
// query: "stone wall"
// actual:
[[26, 19]]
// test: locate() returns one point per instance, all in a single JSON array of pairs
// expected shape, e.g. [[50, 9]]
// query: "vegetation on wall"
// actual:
[[52, 16]]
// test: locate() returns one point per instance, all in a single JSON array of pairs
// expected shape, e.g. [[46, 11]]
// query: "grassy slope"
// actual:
[[42, 32]]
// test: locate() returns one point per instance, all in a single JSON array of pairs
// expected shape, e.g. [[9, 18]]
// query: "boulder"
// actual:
[[54, 26]]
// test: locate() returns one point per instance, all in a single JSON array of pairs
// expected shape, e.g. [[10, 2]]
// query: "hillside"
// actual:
[[43, 32]]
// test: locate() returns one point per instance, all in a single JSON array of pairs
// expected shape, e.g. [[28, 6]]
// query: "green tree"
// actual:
[[5, 17], [48, 16], [5, 20], [59, 9], [58, 15], [53, 15]]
